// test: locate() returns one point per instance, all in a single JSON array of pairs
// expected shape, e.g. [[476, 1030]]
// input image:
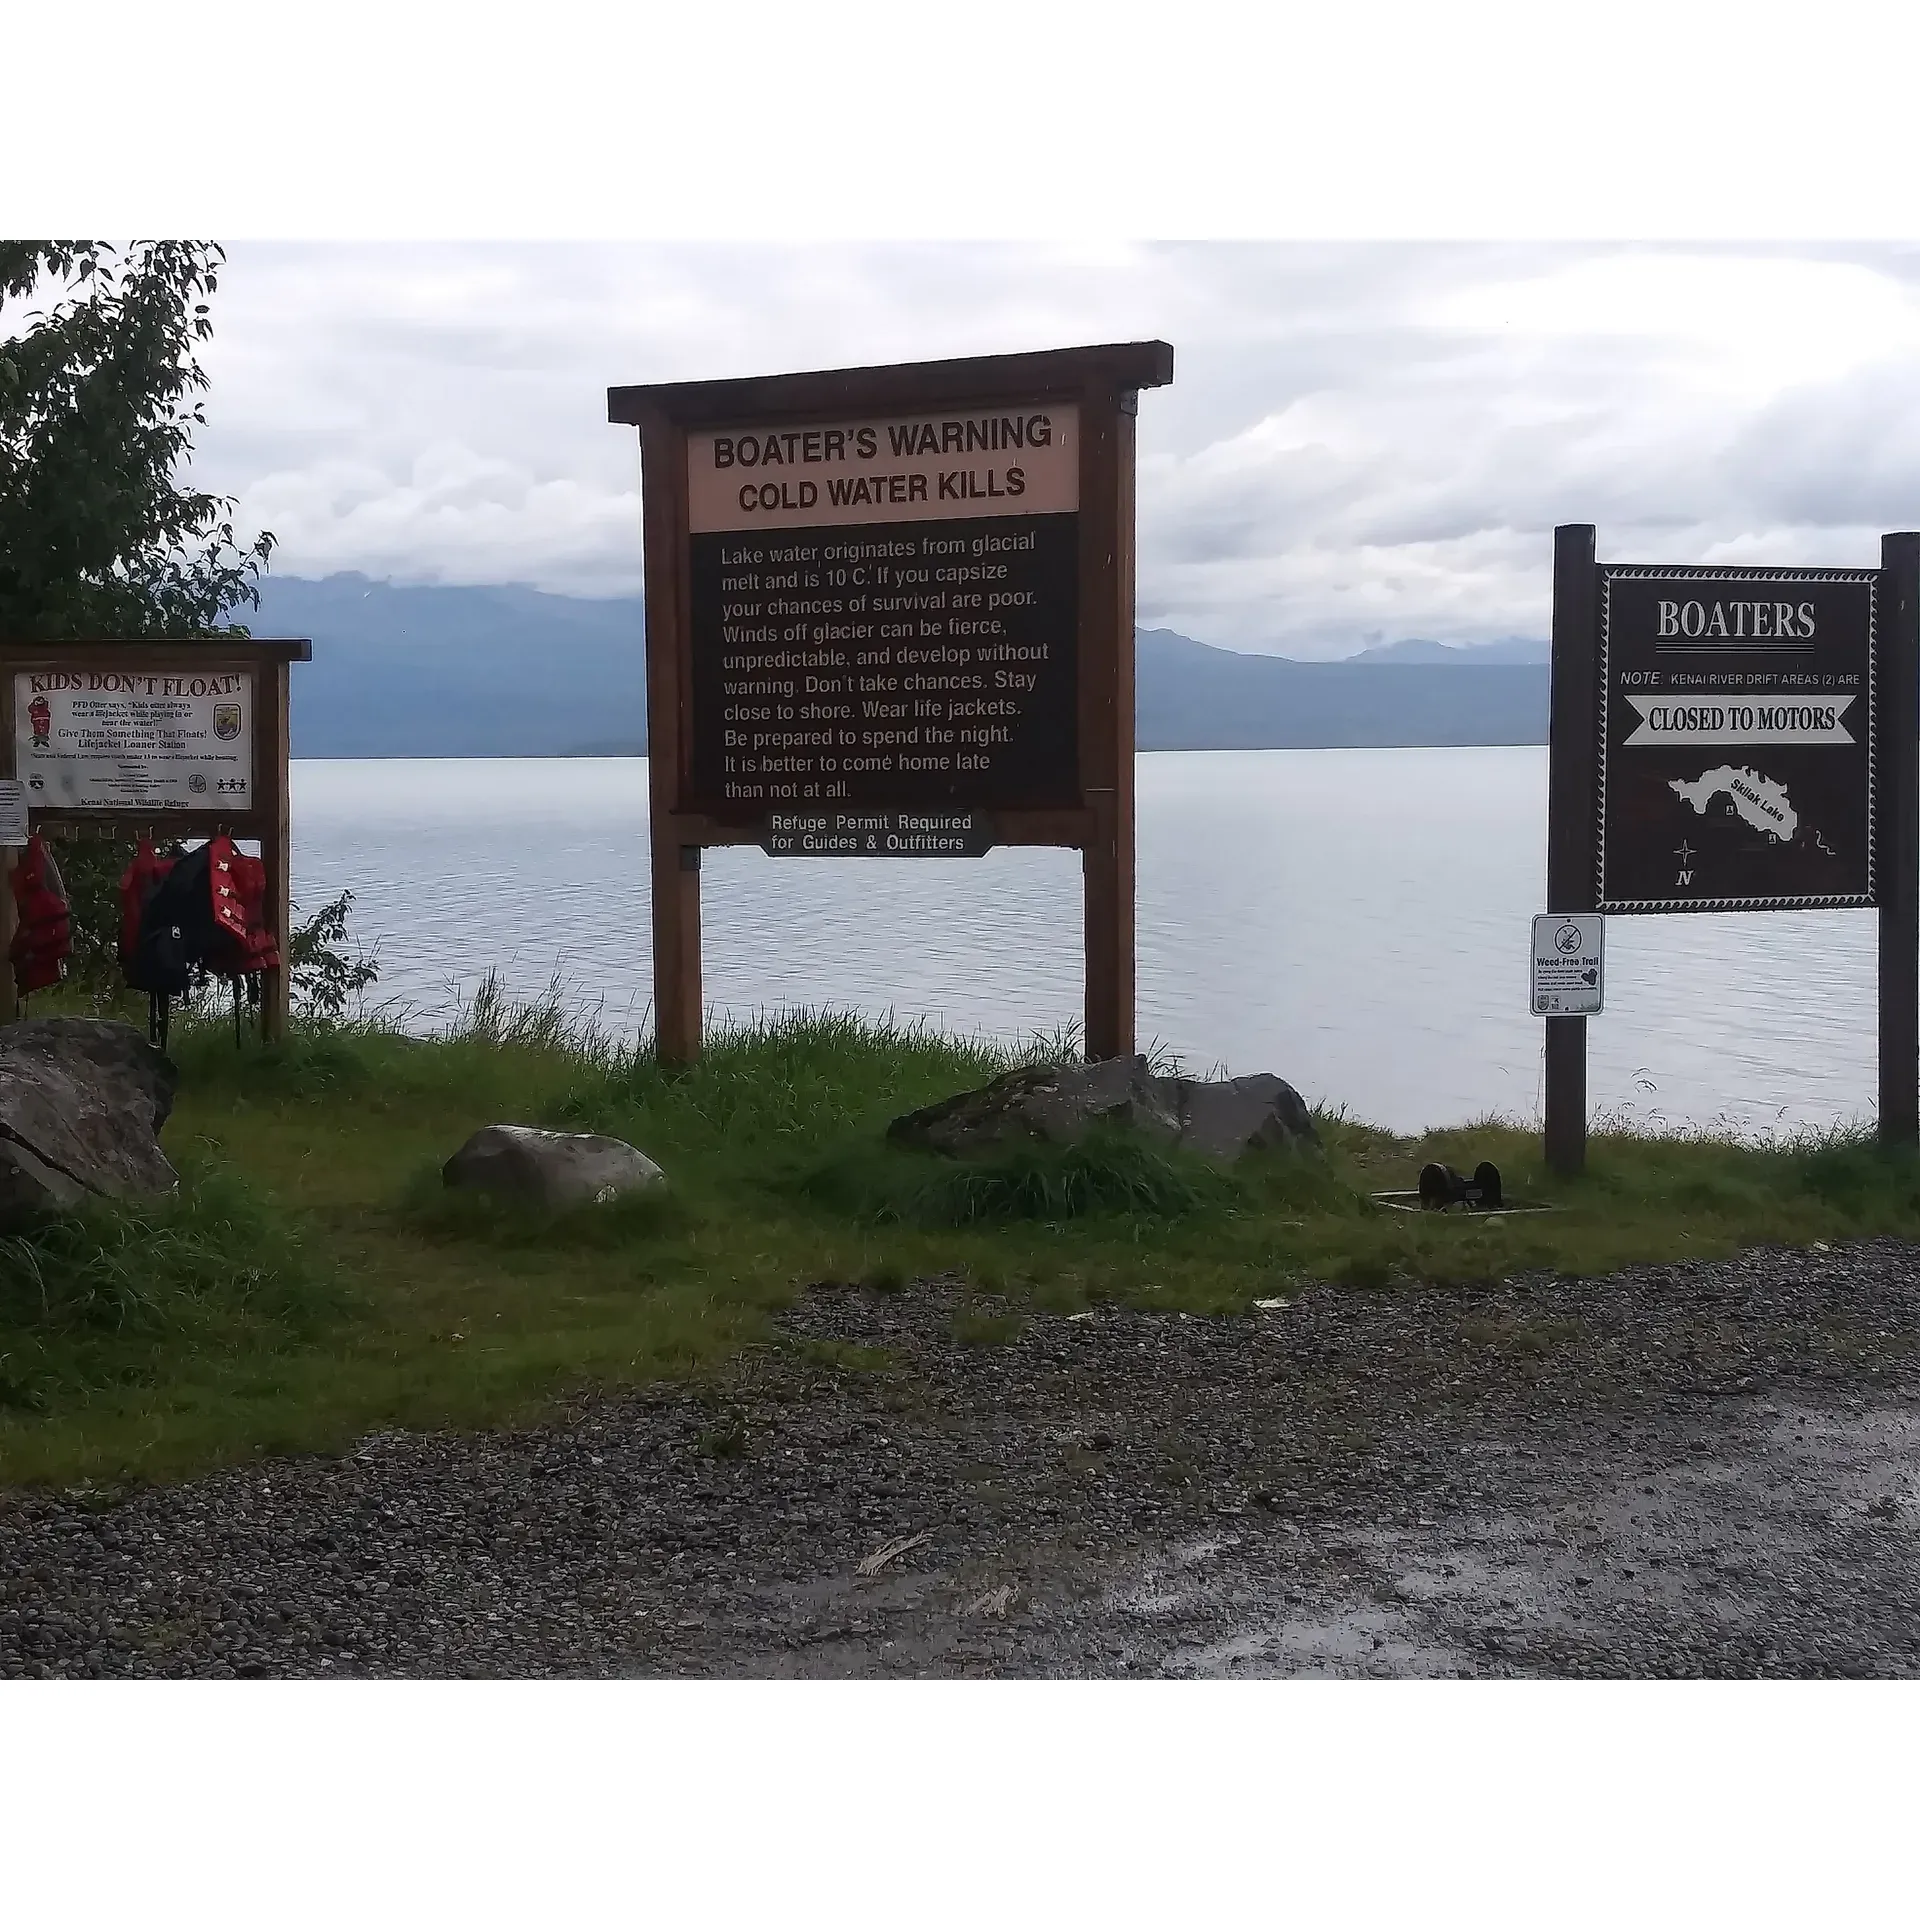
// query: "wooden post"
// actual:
[[273, 744], [9, 858], [674, 857], [9, 994], [1106, 716], [1572, 789], [1897, 834]]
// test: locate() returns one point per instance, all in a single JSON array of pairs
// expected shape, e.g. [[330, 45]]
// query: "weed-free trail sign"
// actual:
[[890, 614]]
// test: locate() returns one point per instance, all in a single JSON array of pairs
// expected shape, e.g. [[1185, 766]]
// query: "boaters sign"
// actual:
[[883, 617], [1736, 763]]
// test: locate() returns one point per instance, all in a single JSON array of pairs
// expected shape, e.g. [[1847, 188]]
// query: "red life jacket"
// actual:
[[241, 940], [137, 886], [45, 934]]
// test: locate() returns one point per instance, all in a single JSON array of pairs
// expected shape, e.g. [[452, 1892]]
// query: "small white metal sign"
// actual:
[[13, 813], [1569, 962]]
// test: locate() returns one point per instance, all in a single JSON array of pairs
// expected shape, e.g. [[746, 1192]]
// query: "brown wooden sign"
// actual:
[[1729, 739], [187, 738], [892, 595]]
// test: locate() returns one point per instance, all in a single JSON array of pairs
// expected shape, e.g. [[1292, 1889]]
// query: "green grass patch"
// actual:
[[1108, 1173], [314, 1279], [113, 1294]]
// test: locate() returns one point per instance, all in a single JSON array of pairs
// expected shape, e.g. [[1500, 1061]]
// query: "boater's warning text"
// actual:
[[883, 613]]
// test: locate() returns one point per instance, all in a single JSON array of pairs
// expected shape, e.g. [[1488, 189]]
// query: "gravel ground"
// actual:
[[1672, 1471]]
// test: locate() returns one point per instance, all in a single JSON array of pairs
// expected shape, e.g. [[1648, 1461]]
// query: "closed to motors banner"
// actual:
[[121, 738], [1737, 743]]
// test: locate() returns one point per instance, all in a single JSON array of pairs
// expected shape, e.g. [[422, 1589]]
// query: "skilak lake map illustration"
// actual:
[[1760, 802]]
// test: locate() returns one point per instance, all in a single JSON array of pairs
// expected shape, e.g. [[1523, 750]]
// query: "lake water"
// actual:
[[1355, 921]]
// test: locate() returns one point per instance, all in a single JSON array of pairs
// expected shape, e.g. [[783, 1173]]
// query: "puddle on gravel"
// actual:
[[1668, 1526]]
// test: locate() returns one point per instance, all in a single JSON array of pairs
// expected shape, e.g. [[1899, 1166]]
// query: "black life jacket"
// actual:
[[137, 886], [176, 927]]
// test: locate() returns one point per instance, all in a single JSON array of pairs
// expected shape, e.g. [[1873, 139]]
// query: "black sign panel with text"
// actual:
[[1736, 738], [925, 664]]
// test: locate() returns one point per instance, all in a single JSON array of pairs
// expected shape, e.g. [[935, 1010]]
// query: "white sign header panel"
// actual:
[[970, 464]]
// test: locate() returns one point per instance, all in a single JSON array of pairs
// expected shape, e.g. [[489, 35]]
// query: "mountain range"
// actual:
[[483, 672]]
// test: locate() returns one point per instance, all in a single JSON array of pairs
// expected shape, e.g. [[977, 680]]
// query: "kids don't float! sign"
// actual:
[[120, 739]]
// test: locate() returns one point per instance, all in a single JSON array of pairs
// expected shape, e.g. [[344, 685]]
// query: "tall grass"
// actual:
[[97, 1297]]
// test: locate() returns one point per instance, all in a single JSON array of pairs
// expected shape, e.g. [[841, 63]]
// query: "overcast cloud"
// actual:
[[1362, 442]]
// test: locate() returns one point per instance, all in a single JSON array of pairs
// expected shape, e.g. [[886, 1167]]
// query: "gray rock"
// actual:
[[559, 1169], [81, 1107], [1226, 1117], [1222, 1118]]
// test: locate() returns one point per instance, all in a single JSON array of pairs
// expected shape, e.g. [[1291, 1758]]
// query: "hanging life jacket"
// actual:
[[175, 928], [44, 937], [137, 886], [205, 913], [242, 942]]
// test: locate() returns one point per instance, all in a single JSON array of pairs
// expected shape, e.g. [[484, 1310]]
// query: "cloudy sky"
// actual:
[[1364, 441]]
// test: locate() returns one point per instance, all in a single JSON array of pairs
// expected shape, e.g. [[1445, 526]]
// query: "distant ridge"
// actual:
[[1189, 695], [458, 672], [494, 672], [1436, 653]]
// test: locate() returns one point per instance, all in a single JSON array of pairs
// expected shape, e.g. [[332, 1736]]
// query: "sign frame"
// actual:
[[267, 816], [1575, 811], [1103, 383]]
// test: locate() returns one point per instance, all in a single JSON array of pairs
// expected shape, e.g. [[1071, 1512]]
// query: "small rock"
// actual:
[[559, 1169]]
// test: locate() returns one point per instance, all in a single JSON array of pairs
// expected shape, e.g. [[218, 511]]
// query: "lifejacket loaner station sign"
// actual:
[[176, 737], [890, 615], [96, 738]]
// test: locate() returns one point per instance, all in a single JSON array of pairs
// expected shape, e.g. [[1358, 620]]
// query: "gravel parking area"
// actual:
[[1673, 1471]]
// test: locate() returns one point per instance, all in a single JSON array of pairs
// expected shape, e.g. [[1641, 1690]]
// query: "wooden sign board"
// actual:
[[890, 614], [1736, 738], [1732, 740], [187, 738]]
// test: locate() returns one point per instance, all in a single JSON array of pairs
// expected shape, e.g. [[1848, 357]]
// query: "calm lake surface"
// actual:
[[1355, 921]]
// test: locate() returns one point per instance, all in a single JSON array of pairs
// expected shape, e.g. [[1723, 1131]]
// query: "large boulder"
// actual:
[[82, 1103], [555, 1169], [1221, 1118]]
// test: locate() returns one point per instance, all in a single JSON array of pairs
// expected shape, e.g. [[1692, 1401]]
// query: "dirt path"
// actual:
[[1711, 1470]]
